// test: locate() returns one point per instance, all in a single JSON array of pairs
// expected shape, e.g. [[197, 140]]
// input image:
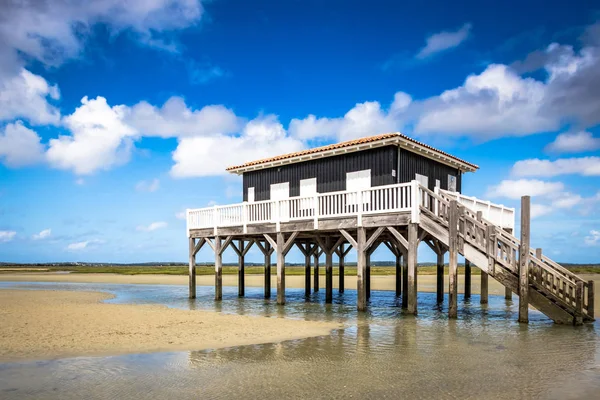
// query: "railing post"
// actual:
[[590, 299], [578, 304], [277, 215], [215, 219], [316, 211], [491, 248], [414, 194], [436, 210], [524, 260], [359, 207], [245, 216]]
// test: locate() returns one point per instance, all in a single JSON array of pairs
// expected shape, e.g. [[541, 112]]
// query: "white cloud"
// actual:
[[181, 215], [593, 239], [99, 140], [20, 146], [363, 119], [176, 119], [83, 245], [148, 186], [25, 95], [42, 235], [204, 156], [538, 210], [152, 227], [587, 166], [514, 189], [574, 142], [7, 236], [443, 41]]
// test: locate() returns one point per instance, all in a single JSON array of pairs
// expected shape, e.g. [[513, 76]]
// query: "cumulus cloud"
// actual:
[[7, 236], [593, 239], [152, 227], [176, 119], [262, 137], [99, 138], [514, 189], [444, 41], [587, 166], [26, 95], [148, 186], [42, 235], [20, 146], [574, 142], [538, 210], [84, 244]]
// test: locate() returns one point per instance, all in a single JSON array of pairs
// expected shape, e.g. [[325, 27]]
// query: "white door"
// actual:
[[281, 191], [356, 181], [251, 195], [305, 206]]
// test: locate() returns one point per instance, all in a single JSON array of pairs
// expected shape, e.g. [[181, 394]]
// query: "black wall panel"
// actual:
[[412, 163]]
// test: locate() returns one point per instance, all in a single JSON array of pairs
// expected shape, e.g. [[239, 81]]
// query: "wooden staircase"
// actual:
[[552, 289]]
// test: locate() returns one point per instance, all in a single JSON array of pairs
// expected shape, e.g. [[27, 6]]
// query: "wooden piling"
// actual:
[[578, 320], [405, 281], [467, 279], [241, 270], [413, 243], [368, 277], [590, 299], [361, 272], [483, 299], [507, 293], [453, 260], [218, 269], [341, 269], [440, 277], [307, 273], [328, 277], [524, 260], [267, 285], [192, 269], [398, 274], [280, 268], [316, 271]]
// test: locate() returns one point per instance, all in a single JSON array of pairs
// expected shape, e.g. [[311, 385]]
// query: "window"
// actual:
[[251, 195], [280, 191], [308, 187], [356, 181], [422, 179], [451, 183]]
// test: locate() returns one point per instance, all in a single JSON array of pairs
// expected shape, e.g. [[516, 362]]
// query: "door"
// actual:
[[281, 191], [306, 204], [355, 181], [251, 195]]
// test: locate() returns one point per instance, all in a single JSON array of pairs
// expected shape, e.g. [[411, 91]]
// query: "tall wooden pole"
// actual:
[[413, 243], [368, 277], [329, 276], [524, 260], [307, 274], [218, 269], [316, 273], [280, 269], [440, 277], [405, 281], [192, 270], [267, 270], [241, 270], [467, 279], [453, 260], [507, 290], [361, 272], [398, 273], [483, 299], [341, 269]]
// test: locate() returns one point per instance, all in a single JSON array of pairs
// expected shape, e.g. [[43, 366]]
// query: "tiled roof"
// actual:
[[368, 139]]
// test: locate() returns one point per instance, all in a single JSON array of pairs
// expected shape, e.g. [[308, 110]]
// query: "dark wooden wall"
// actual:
[[331, 171]]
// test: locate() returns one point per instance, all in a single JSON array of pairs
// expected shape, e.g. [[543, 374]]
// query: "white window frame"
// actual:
[[250, 194], [455, 179]]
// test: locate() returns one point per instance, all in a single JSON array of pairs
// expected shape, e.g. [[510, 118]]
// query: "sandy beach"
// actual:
[[42, 324]]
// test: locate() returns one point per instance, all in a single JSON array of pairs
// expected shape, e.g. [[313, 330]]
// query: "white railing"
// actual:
[[380, 199], [496, 213]]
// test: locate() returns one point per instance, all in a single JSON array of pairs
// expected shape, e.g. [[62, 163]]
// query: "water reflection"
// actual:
[[384, 353]]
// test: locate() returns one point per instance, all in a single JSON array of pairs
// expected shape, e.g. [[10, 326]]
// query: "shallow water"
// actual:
[[384, 353]]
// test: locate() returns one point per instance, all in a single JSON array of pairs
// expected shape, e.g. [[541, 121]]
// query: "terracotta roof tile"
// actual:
[[340, 145]]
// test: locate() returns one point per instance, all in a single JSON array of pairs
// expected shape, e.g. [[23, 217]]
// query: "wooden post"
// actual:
[[241, 270], [590, 299], [440, 276], [398, 273], [341, 269], [307, 272], [578, 320], [453, 260], [280, 269], [413, 243], [192, 271], [524, 260], [405, 281], [483, 299], [316, 273], [361, 272], [507, 293], [467, 279], [218, 269], [328, 277], [267, 270], [368, 277]]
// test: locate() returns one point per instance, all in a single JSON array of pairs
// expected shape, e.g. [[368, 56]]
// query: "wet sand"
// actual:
[[46, 324]]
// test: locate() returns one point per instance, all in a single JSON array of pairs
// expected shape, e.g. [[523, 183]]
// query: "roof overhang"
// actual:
[[399, 140]]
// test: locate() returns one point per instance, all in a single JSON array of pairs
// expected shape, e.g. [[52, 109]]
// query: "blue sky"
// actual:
[[116, 116]]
